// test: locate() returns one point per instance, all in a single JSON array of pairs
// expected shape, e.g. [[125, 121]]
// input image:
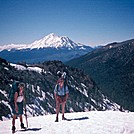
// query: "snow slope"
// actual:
[[94, 122]]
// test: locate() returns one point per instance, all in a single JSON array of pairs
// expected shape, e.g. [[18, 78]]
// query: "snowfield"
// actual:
[[94, 122]]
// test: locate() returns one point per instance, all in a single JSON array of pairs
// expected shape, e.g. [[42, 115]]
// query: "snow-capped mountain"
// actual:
[[51, 47], [53, 41], [49, 41]]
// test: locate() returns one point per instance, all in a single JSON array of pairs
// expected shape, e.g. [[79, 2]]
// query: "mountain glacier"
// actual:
[[49, 41]]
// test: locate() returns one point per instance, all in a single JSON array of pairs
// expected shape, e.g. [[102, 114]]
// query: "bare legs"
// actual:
[[63, 110], [21, 119], [60, 101], [58, 109], [13, 121]]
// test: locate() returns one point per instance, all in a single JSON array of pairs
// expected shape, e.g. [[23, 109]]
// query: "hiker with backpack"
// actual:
[[16, 102], [61, 94]]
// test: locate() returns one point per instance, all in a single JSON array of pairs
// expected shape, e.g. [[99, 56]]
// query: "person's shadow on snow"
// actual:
[[81, 118], [31, 129]]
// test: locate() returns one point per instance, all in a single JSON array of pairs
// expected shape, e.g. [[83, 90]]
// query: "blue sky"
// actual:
[[91, 22]]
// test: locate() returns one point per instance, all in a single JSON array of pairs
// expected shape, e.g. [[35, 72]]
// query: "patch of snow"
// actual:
[[21, 67]]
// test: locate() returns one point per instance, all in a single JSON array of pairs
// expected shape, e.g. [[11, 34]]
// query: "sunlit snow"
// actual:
[[94, 122], [52, 40]]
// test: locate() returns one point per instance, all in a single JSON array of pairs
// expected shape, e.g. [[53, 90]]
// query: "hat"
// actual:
[[64, 75], [21, 84], [59, 73]]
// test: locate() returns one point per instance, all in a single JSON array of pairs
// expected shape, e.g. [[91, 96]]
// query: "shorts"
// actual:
[[61, 99], [20, 108]]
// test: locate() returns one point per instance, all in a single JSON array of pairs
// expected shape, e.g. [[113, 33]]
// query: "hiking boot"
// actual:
[[13, 128], [63, 118], [22, 126], [56, 119]]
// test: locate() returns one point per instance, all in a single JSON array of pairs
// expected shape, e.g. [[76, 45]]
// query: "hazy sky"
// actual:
[[90, 22]]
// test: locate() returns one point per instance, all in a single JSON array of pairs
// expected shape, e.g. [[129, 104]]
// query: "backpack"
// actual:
[[65, 84], [13, 89]]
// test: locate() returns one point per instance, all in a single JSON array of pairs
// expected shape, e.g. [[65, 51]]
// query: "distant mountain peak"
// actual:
[[50, 47], [54, 41], [51, 40]]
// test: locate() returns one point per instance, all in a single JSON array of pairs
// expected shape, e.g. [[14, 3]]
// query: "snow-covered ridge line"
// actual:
[[51, 40], [21, 67]]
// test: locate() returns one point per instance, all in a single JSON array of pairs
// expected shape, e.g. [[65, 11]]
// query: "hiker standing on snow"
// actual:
[[17, 106], [61, 94]]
